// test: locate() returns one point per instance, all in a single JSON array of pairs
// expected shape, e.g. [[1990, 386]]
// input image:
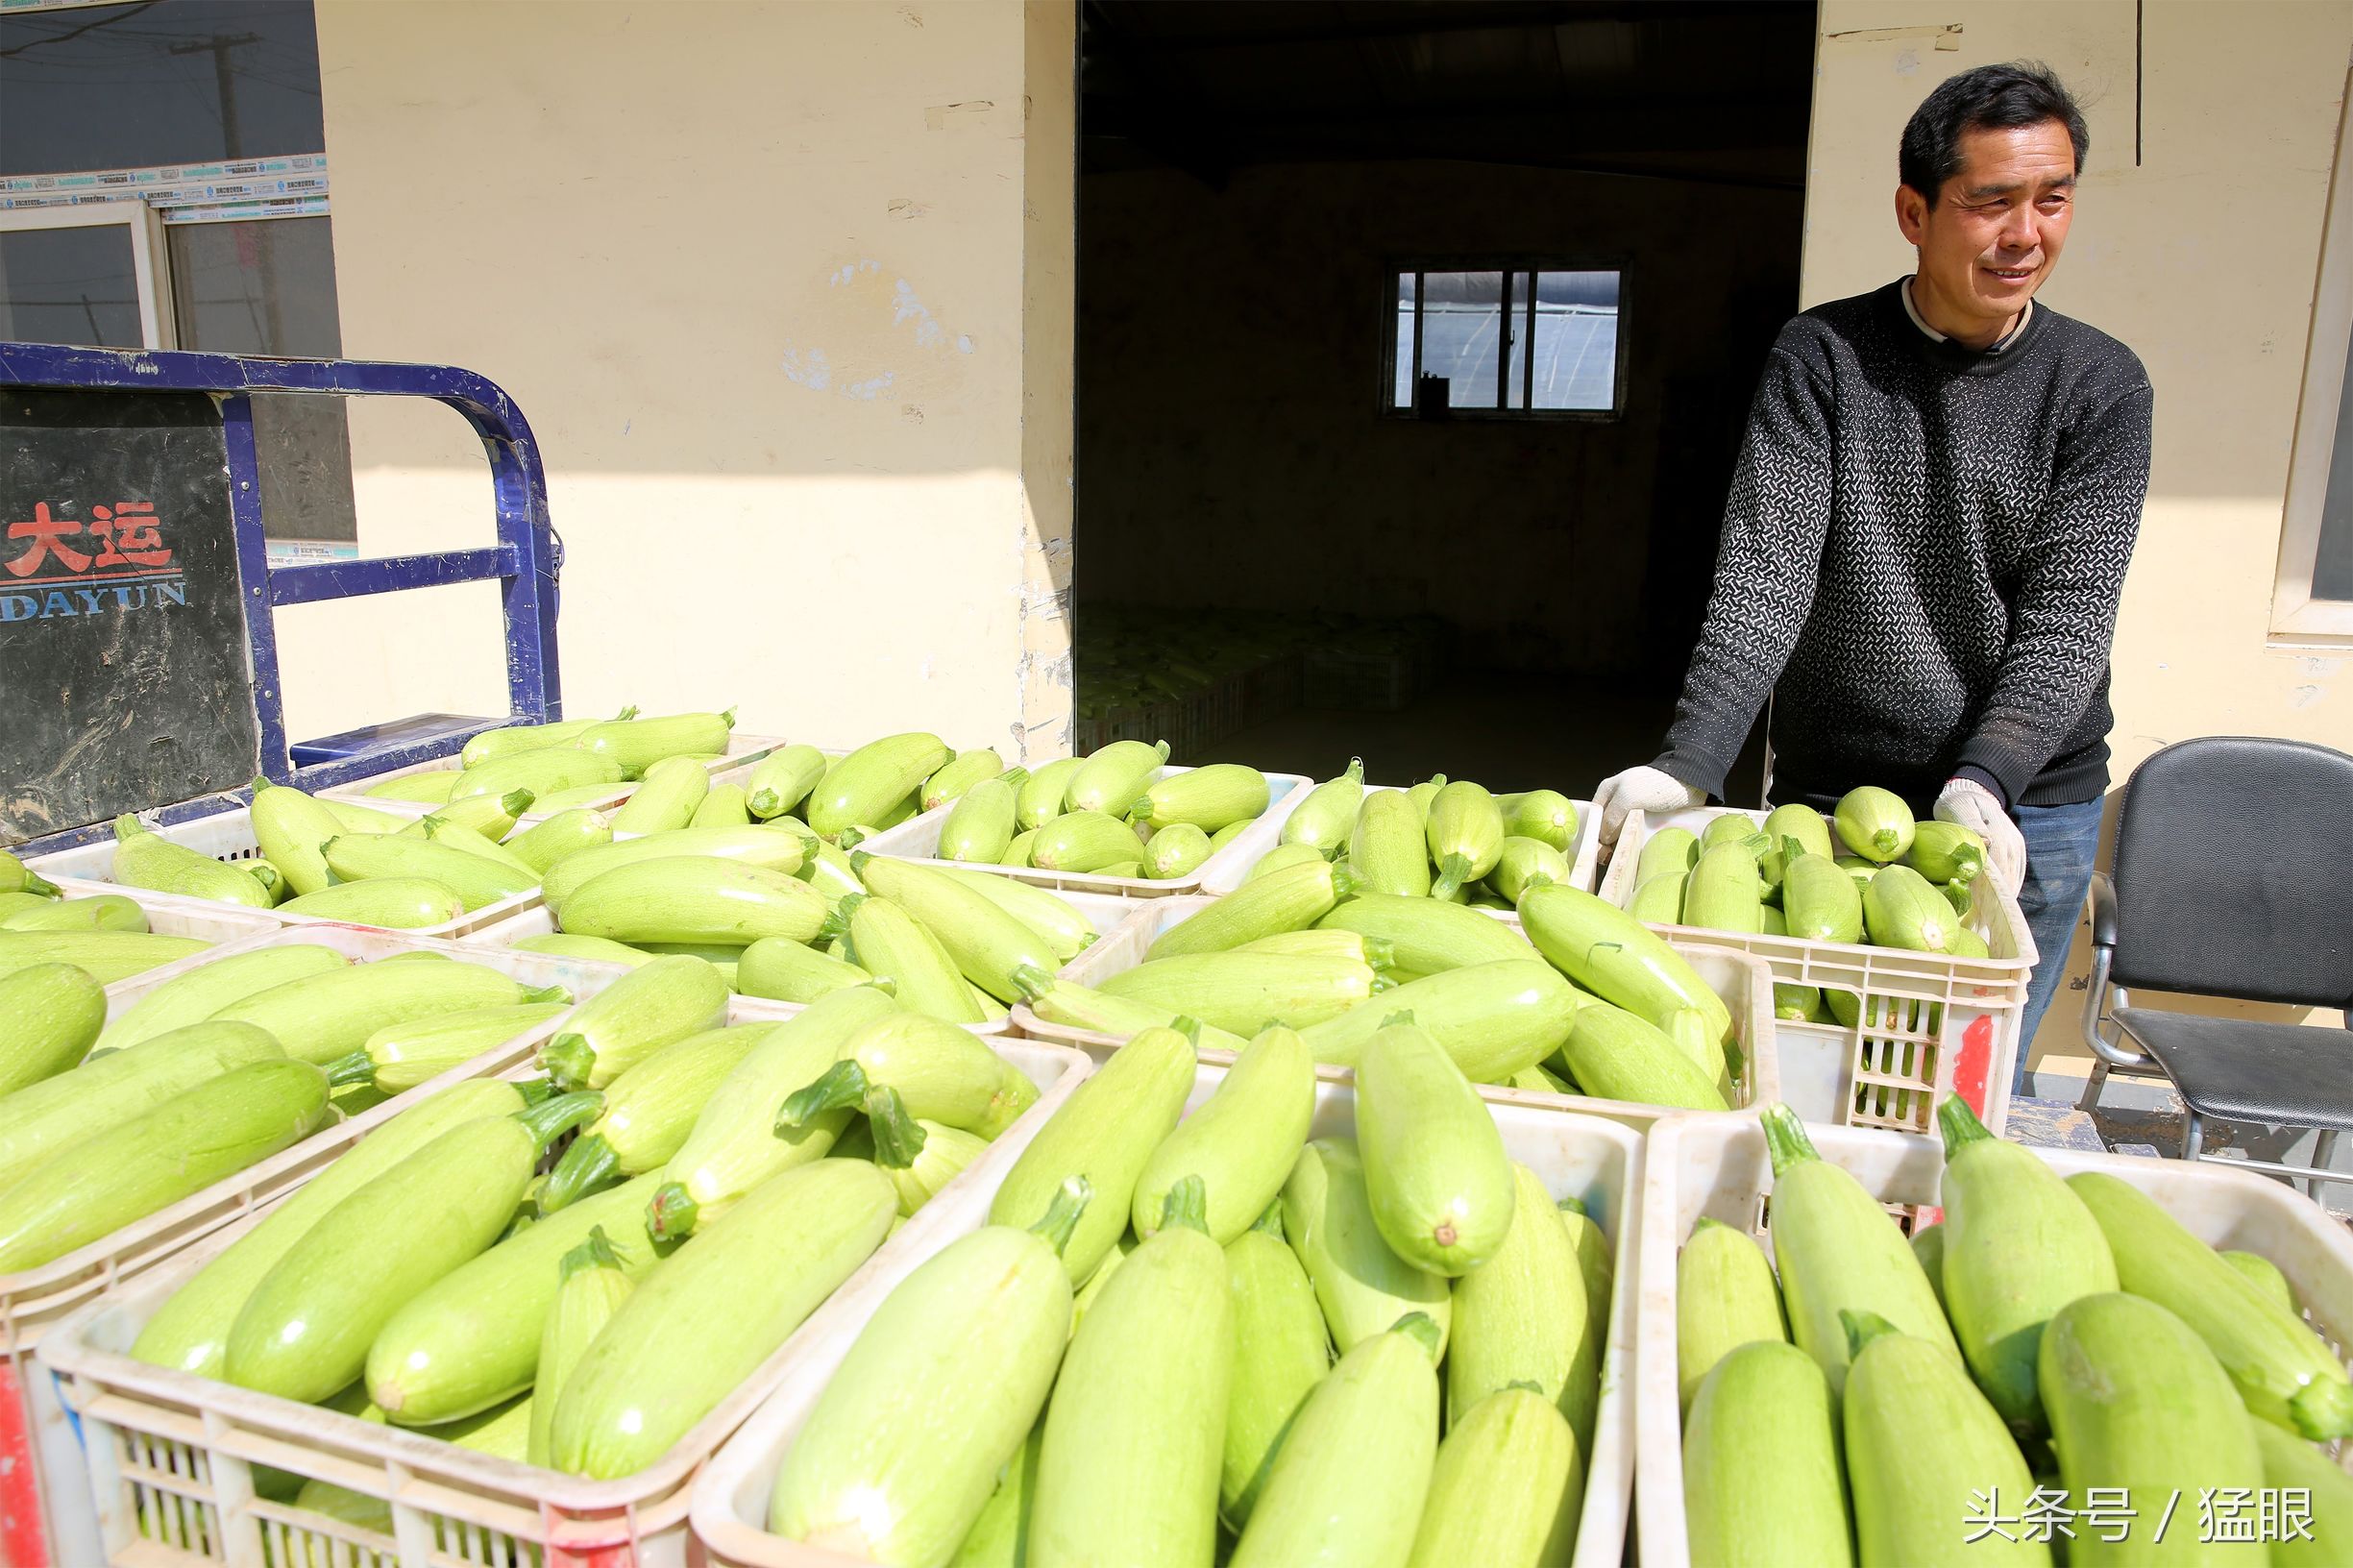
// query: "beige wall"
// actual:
[[784, 291], [2204, 258]]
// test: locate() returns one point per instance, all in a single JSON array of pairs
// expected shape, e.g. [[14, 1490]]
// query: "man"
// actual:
[[1930, 523]]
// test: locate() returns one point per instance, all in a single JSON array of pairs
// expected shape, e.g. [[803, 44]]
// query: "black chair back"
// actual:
[[2234, 873]]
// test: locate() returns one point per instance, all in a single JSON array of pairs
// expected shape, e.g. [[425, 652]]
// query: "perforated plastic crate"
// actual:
[[1717, 1167], [1740, 981], [1929, 1024], [1584, 1157]]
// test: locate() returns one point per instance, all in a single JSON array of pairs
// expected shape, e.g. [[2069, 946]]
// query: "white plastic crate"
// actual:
[[1742, 982], [919, 839], [50, 1476], [171, 1454], [1718, 1167], [1930, 1024], [1262, 835], [1585, 1157], [229, 836], [1106, 915], [224, 925], [742, 751]]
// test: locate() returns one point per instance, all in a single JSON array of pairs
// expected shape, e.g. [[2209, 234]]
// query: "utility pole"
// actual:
[[225, 84]]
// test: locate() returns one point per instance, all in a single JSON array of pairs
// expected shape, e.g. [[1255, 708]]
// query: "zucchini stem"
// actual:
[[840, 1086], [1032, 982], [552, 1119], [1421, 1329], [671, 1215], [588, 1166], [358, 1067], [597, 1252], [1959, 1125], [569, 1059], [1270, 1219], [1188, 1203], [1862, 1327], [1786, 1138], [1061, 1215], [899, 1137]]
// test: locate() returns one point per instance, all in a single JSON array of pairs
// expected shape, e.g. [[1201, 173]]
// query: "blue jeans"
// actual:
[[2062, 848]]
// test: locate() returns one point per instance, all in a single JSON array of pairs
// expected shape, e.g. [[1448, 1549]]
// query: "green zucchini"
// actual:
[[591, 1288], [1243, 992], [1282, 1351], [324, 1016], [305, 1331], [2267, 1276], [2019, 1245], [1135, 1431], [108, 955], [1723, 892], [1725, 1297], [1241, 1142], [1326, 813], [401, 1056], [1504, 1489], [1535, 1314], [941, 1071], [767, 846], [783, 780], [1364, 1288], [903, 1449], [791, 971], [1387, 850], [143, 859], [652, 1006], [863, 787], [1112, 779], [212, 1129], [1427, 936], [636, 745], [999, 1536], [1465, 835], [1492, 1019], [675, 788], [550, 840], [1762, 1484], [1348, 1487], [1874, 824], [1290, 900], [1434, 1167], [1900, 909], [1619, 1056], [2291, 1465], [50, 1015], [43, 1122], [895, 945], [692, 899], [700, 1325], [1546, 816], [987, 942], [1616, 957], [292, 830], [648, 1112], [479, 883], [2283, 1370]]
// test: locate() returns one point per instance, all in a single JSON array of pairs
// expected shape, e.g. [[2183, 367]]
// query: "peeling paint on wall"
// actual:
[[873, 334]]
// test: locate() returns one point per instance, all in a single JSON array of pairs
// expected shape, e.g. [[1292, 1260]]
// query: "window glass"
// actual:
[[69, 286], [1462, 334]]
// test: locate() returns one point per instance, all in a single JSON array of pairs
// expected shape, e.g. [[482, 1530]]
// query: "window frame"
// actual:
[[150, 263], [2297, 616], [1506, 262]]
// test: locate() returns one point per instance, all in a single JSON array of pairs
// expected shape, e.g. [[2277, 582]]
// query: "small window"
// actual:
[[2313, 600], [1504, 342]]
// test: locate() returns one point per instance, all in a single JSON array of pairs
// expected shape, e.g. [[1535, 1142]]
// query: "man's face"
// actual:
[[1992, 235]]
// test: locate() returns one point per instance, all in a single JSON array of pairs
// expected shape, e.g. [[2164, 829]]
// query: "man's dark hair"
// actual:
[[1990, 98]]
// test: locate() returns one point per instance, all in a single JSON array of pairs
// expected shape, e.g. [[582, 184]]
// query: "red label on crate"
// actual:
[[1976, 1056], [23, 1543]]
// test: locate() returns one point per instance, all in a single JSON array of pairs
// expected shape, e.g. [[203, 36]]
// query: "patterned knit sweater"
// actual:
[[1921, 560]]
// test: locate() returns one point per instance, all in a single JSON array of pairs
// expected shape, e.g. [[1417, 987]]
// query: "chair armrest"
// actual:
[[2104, 910]]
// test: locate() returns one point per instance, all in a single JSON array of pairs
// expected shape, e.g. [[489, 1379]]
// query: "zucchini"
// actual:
[[479, 823], [979, 825], [590, 1290], [793, 972], [1921, 1441], [472, 1338], [636, 745], [1209, 797], [1802, 822], [1667, 851], [1504, 1489], [1537, 1312], [2291, 1465], [1084, 842], [1434, 1168], [1492, 1019], [1174, 852], [146, 860], [1241, 1142], [921, 1158], [1326, 813], [1725, 1297], [1281, 858], [1290, 900], [1762, 1485], [1616, 957], [863, 787], [1820, 902], [1928, 1246], [964, 771], [698, 1327], [1243, 992], [190, 1331], [1524, 863], [1042, 795], [322, 1017], [567, 832], [1282, 1351], [1364, 1288], [1465, 835], [397, 903], [1618, 1056], [736, 1143], [903, 1449], [694, 898], [654, 1005], [109, 1179], [1112, 779], [511, 738], [1723, 892], [479, 883], [1105, 1132], [987, 942], [400, 1057], [1425, 936], [648, 1112], [901, 951], [2019, 1245], [2283, 1370], [942, 1072], [770, 847], [1874, 824], [292, 830], [15, 877], [2266, 1277], [1902, 910], [305, 1331], [783, 780], [829, 870], [1546, 816], [1388, 849], [99, 912], [674, 790], [50, 1015], [1946, 852], [1134, 1432], [999, 1536], [108, 955], [42, 1122], [2138, 1402], [1839, 1250], [1075, 1006], [430, 786], [594, 950], [1056, 921], [1348, 1487]]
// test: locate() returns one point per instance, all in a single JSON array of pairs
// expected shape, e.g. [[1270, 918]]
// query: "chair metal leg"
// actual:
[[2193, 1134], [2092, 1085], [2323, 1151]]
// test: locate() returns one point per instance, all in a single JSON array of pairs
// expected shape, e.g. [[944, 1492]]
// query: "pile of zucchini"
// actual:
[[2060, 1334], [1449, 841], [102, 1124], [1587, 1002], [1133, 1361], [105, 935], [1100, 815], [587, 1317]]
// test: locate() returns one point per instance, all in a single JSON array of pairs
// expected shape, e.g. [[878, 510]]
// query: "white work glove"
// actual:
[[1972, 805], [1640, 789]]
